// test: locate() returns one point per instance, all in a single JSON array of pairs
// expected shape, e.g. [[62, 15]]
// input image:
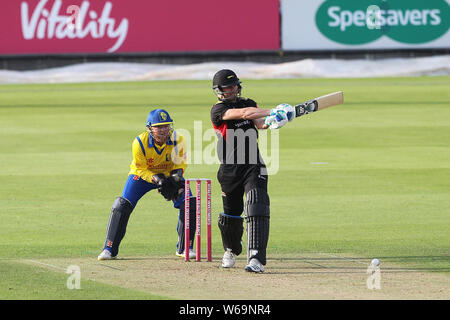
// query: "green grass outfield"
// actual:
[[369, 178]]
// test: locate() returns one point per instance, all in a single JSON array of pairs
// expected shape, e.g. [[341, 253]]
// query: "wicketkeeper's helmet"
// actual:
[[158, 117]]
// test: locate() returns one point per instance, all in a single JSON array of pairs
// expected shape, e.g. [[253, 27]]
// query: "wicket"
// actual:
[[198, 215]]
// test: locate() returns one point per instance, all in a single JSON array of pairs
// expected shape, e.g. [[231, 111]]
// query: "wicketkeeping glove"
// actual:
[[164, 185], [177, 185]]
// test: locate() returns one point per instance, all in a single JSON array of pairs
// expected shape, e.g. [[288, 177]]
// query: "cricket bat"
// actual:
[[319, 103]]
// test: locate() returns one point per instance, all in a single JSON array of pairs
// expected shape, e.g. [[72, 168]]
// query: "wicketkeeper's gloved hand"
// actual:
[[276, 119], [164, 185], [177, 181], [290, 110]]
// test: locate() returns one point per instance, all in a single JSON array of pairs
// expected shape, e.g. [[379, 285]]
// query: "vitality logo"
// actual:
[[45, 22], [364, 21]]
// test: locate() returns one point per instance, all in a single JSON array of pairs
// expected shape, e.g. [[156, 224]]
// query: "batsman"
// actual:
[[242, 170], [159, 161]]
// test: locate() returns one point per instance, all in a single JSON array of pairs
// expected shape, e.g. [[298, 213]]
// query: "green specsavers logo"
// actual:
[[362, 21]]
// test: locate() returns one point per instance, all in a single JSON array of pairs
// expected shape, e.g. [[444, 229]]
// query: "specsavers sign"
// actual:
[[365, 24]]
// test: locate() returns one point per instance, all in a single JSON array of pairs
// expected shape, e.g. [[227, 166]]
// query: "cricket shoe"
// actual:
[[192, 254], [106, 255], [229, 259], [254, 266]]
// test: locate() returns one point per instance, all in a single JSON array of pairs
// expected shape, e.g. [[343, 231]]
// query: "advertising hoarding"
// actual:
[[364, 24], [115, 26]]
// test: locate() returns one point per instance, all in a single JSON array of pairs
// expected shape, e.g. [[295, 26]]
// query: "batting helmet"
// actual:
[[226, 78]]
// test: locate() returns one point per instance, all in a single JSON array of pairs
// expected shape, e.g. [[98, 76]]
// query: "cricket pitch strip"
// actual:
[[308, 276]]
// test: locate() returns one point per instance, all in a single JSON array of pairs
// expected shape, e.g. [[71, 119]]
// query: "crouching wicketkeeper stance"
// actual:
[[242, 170], [159, 160]]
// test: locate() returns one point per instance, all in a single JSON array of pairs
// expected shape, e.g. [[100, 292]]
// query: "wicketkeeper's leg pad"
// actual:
[[257, 210], [232, 229], [117, 225]]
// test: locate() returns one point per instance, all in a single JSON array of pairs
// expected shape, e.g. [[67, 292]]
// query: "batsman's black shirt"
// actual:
[[237, 139]]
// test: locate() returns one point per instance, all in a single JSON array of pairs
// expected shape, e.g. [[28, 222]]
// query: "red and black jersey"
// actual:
[[238, 139]]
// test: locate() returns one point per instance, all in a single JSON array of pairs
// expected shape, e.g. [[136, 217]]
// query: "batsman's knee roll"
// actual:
[[257, 203]]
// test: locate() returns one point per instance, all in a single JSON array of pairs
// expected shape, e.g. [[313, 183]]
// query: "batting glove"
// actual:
[[290, 110], [279, 114], [275, 123]]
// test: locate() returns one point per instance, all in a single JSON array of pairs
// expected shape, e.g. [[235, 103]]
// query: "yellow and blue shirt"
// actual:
[[150, 158]]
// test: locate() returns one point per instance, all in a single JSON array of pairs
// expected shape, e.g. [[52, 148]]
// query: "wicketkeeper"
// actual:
[[242, 170], [159, 161]]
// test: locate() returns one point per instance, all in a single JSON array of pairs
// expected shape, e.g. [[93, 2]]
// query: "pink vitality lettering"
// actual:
[[50, 24]]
